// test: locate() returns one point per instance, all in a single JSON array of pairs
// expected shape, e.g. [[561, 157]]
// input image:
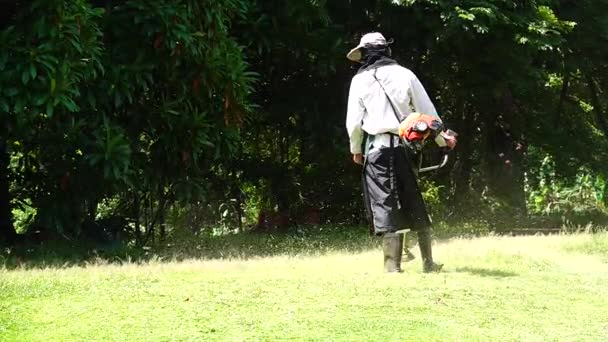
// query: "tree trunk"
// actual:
[[597, 105], [137, 215], [7, 229], [162, 225], [505, 152], [280, 185], [464, 169], [238, 196], [562, 99]]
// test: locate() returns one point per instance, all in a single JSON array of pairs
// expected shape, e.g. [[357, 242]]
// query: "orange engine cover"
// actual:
[[417, 127]]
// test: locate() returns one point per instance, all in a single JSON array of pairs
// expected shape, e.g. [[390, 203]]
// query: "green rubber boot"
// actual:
[[407, 244], [392, 246], [426, 251]]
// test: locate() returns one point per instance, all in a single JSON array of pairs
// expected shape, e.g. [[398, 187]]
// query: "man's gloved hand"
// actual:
[[450, 138]]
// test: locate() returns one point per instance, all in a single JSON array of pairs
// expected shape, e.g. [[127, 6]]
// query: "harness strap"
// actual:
[[405, 141], [388, 98]]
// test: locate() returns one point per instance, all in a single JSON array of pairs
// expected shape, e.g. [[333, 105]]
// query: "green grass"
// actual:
[[536, 288], [596, 244]]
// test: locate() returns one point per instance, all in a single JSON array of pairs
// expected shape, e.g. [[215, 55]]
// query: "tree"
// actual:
[[123, 102]]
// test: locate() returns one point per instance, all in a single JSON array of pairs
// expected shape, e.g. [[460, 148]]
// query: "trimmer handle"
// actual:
[[443, 163], [447, 142]]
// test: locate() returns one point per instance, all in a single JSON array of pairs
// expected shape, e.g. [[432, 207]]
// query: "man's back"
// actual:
[[370, 109]]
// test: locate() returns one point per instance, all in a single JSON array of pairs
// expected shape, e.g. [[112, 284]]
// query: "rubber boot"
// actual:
[[392, 245], [407, 254], [426, 251]]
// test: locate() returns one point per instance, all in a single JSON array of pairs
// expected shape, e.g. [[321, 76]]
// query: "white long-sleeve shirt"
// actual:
[[369, 110]]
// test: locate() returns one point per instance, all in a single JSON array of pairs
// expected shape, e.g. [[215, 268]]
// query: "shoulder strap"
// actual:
[[387, 97], [407, 143]]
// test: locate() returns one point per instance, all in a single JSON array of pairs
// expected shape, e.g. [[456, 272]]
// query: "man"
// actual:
[[382, 94]]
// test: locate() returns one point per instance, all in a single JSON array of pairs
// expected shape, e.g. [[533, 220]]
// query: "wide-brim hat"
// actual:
[[373, 38]]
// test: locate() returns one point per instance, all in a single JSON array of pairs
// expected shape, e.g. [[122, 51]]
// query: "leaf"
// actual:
[[75, 44], [19, 104], [93, 159], [91, 99], [99, 11], [49, 67], [53, 85], [49, 109], [467, 16], [25, 77], [39, 100], [69, 104], [3, 59], [33, 72], [117, 100], [4, 106], [11, 91]]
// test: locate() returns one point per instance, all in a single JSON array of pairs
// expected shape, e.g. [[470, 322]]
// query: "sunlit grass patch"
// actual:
[[589, 244], [493, 288]]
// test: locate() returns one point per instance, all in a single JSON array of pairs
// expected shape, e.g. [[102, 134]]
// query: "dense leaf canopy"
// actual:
[[125, 117]]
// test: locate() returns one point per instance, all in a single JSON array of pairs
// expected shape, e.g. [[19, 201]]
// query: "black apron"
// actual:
[[391, 194]]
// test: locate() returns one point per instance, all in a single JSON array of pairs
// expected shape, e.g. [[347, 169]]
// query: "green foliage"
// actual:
[[111, 153], [36, 79], [432, 195], [104, 103], [552, 195], [22, 216], [211, 111]]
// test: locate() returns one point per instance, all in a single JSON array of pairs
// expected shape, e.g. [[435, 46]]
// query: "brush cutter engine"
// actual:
[[416, 130]]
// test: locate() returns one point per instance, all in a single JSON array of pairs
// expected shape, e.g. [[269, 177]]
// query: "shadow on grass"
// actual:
[[312, 240], [486, 272]]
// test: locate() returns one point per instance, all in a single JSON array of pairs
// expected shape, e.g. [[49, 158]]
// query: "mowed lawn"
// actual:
[[536, 288]]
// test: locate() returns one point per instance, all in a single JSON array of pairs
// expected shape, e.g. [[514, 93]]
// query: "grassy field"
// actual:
[[552, 288]]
